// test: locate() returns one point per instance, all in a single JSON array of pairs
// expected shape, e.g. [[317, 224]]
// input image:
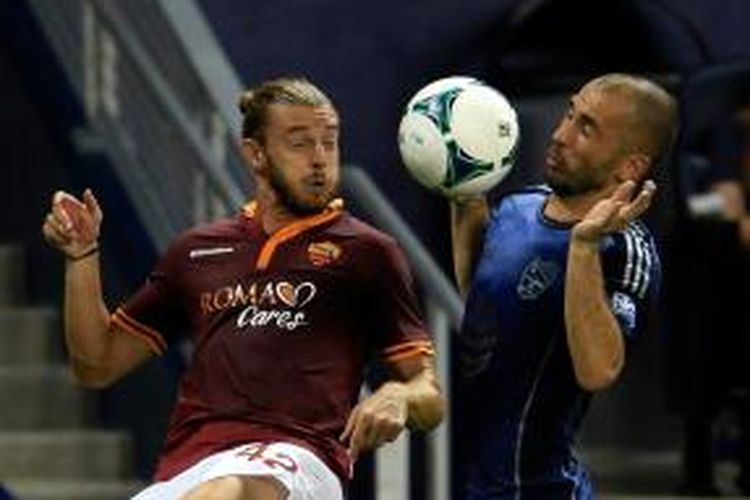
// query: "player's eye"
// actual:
[[330, 143], [585, 125], [297, 142], [586, 129]]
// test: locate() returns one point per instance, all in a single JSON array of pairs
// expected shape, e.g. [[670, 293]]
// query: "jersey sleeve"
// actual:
[[632, 273], [154, 313], [399, 329]]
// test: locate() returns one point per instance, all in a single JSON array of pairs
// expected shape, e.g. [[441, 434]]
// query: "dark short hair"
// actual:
[[654, 114]]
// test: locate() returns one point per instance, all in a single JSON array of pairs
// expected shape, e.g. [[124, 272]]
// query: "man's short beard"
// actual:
[[562, 189], [559, 186], [282, 190], [567, 187]]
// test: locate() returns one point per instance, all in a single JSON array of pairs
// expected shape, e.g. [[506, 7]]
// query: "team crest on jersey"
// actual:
[[323, 253], [536, 277]]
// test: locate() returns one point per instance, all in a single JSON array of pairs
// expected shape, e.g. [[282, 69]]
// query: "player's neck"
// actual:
[[275, 217], [275, 214], [570, 209], [272, 213]]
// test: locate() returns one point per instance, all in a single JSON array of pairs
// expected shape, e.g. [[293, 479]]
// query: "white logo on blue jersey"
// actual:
[[536, 277], [623, 308]]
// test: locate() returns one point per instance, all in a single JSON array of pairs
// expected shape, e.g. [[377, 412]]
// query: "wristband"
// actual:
[[87, 253]]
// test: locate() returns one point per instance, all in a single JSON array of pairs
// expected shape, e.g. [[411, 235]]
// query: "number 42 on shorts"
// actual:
[[273, 459]]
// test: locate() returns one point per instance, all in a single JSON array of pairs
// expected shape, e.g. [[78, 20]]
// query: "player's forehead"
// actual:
[[606, 106], [287, 118]]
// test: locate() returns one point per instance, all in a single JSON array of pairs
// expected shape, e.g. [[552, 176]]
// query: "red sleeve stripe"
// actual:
[[130, 325], [409, 353]]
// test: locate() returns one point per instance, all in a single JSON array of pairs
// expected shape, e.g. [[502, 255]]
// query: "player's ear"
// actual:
[[252, 152], [634, 167]]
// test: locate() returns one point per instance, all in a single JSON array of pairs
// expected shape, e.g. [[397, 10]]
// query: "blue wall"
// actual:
[[371, 56]]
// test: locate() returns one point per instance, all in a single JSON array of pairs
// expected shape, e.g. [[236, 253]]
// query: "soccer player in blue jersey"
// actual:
[[559, 279]]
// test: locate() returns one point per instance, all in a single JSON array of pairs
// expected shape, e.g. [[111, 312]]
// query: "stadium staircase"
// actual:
[[50, 448]]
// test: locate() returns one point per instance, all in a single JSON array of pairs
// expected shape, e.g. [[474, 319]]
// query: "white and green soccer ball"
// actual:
[[458, 136]]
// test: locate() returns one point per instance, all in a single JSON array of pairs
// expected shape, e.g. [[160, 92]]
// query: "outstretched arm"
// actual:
[[595, 340], [413, 399], [98, 354], [468, 220]]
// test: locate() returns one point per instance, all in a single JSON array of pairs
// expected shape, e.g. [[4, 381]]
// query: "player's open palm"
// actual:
[[615, 212], [72, 225], [376, 420]]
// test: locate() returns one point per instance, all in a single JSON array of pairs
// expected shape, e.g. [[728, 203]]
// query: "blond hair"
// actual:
[[254, 102]]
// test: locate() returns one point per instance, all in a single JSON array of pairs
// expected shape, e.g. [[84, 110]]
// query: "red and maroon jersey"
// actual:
[[282, 326]]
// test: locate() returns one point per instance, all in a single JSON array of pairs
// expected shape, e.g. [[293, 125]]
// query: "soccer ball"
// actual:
[[458, 136]]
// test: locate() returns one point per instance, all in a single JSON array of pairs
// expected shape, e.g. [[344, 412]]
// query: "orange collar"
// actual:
[[250, 210]]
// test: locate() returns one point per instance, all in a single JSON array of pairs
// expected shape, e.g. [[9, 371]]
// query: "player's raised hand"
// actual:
[[72, 225], [615, 212], [376, 420]]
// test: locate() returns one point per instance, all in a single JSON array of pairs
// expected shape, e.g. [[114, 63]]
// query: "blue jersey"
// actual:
[[520, 407]]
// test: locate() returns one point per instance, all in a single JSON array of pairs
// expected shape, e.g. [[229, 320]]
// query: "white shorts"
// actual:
[[303, 474]]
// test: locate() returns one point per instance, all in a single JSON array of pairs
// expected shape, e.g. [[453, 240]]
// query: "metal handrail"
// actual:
[[362, 188]]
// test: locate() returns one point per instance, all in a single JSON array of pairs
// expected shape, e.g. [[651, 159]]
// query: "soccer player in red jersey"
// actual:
[[284, 303]]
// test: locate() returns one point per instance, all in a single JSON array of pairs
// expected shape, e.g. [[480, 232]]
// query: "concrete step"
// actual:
[[634, 472], [30, 335], [73, 490], [65, 454], [620, 473], [12, 276], [664, 497], [42, 396]]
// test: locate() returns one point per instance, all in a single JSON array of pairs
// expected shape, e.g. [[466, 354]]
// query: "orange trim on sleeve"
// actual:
[[407, 350], [418, 351], [133, 327], [290, 231], [406, 345]]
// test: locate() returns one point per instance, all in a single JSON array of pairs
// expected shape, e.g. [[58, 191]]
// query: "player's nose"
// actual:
[[319, 158], [562, 132]]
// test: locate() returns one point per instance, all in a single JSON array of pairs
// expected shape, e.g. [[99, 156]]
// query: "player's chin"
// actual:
[[552, 174], [554, 164], [559, 183], [314, 202]]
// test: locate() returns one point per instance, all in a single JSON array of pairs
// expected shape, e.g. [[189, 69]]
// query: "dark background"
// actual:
[[371, 57]]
